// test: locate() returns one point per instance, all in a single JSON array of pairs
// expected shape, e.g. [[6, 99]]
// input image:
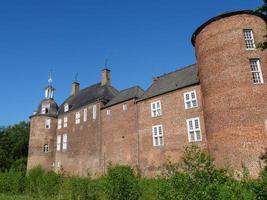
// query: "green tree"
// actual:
[[14, 146], [263, 10]]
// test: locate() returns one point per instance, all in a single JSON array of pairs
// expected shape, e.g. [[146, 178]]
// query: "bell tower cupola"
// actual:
[[49, 90]]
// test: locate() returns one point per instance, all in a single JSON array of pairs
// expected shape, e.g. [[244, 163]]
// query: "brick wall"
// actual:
[[119, 134], [173, 120], [235, 108]]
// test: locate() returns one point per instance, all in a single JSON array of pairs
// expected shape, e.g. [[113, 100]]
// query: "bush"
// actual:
[[77, 188], [196, 177], [12, 182], [42, 183], [122, 183]]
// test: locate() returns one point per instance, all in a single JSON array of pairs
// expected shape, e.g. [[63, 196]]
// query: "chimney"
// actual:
[[105, 77], [75, 87], [155, 79]]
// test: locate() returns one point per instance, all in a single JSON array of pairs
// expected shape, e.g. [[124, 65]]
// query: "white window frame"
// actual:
[[46, 148], [65, 122], [194, 129], [66, 107], [156, 108], [85, 114], [64, 141], [256, 72], [190, 99], [249, 39], [47, 123], [108, 112], [94, 111], [77, 118], [157, 133], [59, 123], [58, 142], [45, 108], [124, 107]]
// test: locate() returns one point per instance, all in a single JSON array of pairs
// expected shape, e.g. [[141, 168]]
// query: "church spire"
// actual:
[[49, 90]]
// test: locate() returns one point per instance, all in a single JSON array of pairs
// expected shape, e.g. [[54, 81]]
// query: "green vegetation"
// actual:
[[14, 146], [263, 10], [194, 178]]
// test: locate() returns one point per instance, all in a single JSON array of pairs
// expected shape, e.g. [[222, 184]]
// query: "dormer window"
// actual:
[[66, 107], [44, 110]]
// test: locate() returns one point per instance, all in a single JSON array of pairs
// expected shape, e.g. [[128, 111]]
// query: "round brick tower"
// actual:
[[233, 79], [43, 132]]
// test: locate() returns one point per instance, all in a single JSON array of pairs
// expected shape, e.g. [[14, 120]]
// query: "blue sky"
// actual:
[[140, 38]]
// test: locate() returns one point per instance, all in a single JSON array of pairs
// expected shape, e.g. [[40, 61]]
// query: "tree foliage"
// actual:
[[263, 10], [14, 146]]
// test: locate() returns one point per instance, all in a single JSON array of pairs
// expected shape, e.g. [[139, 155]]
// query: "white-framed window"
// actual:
[[47, 123], [190, 99], [108, 112], [249, 39], [66, 107], [124, 107], [157, 134], [59, 123], [155, 109], [65, 122], [193, 128], [77, 117], [58, 142], [256, 71], [85, 114], [94, 111], [45, 148], [45, 108], [65, 141]]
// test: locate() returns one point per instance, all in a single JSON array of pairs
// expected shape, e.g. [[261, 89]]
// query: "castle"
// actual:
[[219, 104]]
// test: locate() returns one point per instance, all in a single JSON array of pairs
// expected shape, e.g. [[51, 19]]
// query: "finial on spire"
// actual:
[[49, 90], [50, 78], [106, 63], [76, 78]]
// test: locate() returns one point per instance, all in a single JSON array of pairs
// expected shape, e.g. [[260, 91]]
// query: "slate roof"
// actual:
[[89, 95], [172, 81], [52, 111], [125, 95]]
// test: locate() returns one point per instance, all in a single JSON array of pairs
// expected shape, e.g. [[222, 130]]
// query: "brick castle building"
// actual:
[[220, 104]]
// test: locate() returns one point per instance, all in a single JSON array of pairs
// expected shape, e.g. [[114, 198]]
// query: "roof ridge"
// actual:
[[177, 70], [135, 86]]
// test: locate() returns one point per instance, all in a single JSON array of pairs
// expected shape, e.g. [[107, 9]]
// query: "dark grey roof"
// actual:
[[226, 14], [89, 95], [172, 81], [51, 108], [125, 95]]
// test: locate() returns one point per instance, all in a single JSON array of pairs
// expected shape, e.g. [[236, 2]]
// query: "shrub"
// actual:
[[42, 183], [12, 182], [77, 188], [122, 183], [196, 177]]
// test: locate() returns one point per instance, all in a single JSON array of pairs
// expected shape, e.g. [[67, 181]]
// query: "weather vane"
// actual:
[[106, 63], [50, 77], [76, 77]]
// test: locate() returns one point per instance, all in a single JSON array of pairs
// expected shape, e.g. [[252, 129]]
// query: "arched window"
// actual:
[[46, 148]]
